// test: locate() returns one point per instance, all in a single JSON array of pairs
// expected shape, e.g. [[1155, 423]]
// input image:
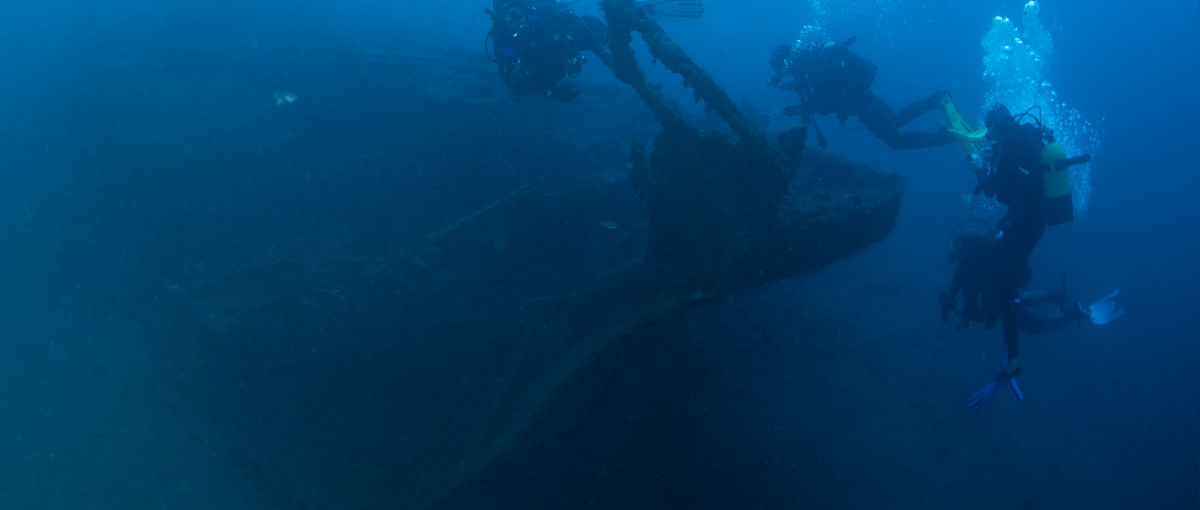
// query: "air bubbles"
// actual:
[[1016, 59]]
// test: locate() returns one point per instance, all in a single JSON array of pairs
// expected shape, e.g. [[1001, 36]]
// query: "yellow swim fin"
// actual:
[[977, 136], [972, 140]]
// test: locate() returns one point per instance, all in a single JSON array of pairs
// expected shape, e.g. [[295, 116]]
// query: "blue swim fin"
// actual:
[[1014, 387], [1106, 309], [983, 394], [988, 390]]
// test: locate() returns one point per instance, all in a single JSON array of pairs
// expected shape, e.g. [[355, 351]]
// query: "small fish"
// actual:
[[285, 97], [611, 225]]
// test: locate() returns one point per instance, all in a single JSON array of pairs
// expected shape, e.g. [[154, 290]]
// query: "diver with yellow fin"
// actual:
[[1056, 177], [830, 79]]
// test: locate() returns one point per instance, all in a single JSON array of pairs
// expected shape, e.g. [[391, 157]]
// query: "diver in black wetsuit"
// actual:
[[971, 252], [832, 80], [1014, 178], [1015, 181], [538, 43], [974, 254], [1025, 170]]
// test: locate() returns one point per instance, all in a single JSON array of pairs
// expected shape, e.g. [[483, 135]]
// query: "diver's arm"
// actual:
[[999, 166]]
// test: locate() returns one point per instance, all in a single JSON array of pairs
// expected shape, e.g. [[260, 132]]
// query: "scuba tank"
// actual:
[[856, 70], [1056, 185], [1056, 175]]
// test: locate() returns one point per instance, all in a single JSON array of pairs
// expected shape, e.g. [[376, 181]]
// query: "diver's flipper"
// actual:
[[1014, 387], [988, 390], [977, 136], [983, 394], [672, 9], [960, 124], [1106, 309]]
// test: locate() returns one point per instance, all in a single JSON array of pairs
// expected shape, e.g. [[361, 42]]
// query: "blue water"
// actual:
[[149, 146]]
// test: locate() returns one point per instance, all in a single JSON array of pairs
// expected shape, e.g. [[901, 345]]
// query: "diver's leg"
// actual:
[[878, 117], [919, 107], [1019, 237], [1001, 279], [1019, 240], [1031, 322], [1055, 320], [1012, 335], [1041, 297], [883, 123]]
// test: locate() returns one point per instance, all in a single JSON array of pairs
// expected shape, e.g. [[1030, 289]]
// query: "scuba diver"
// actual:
[[539, 43], [1026, 171], [832, 80], [1029, 320], [973, 253]]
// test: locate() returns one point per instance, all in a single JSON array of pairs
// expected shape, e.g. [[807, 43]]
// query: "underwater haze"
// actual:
[[316, 255]]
